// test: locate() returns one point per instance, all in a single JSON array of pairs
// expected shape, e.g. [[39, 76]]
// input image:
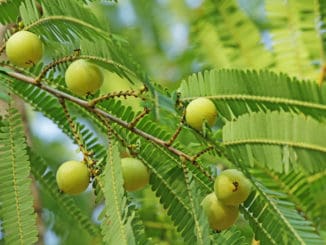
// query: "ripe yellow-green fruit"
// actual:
[[232, 187], [220, 216], [24, 49], [83, 77], [200, 110], [135, 174], [72, 177]]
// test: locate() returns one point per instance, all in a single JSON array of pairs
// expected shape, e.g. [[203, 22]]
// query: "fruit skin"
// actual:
[[135, 174], [83, 77], [72, 177], [220, 216], [24, 49], [232, 187], [200, 110]]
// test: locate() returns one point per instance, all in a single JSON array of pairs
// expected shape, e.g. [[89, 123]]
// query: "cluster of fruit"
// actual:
[[25, 49], [73, 177], [231, 187], [221, 207]]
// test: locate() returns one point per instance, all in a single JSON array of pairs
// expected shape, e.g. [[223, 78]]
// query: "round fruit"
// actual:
[[232, 187], [200, 110], [24, 49], [83, 77], [135, 174], [219, 216], [72, 177]]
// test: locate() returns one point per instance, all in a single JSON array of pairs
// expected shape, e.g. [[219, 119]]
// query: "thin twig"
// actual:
[[177, 132], [133, 123], [73, 127], [55, 63], [118, 94], [202, 152]]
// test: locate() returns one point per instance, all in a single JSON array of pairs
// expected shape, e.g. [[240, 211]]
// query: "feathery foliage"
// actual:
[[17, 212], [116, 225], [270, 207], [9, 11], [236, 92], [270, 125], [277, 140], [219, 32], [296, 48]]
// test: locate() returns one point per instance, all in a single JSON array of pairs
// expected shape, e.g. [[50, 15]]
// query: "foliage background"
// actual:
[[172, 40]]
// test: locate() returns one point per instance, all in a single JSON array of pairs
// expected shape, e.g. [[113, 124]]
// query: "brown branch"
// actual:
[[59, 94]]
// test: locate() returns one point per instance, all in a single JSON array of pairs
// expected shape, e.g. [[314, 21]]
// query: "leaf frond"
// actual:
[[9, 11], [295, 39], [279, 140], [17, 212], [237, 91], [219, 32], [116, 224], [269, 211]]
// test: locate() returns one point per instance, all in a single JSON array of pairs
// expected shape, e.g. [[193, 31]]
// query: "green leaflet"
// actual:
[[317, 184], [235, 92], [220, 32], [114, 57], [57, 18], [17, 212], [9, 10], [300, 192], [270, 214], [279, 140], [295, 37], [116, 221], [231, 236], [29, 12]]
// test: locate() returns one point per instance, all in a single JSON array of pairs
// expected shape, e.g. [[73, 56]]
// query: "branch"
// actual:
[[85, 104]]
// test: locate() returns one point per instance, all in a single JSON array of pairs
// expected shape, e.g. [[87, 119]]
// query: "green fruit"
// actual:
[[135, 174], [232, 187], [72, 177], [83, 77], [200, 110], [24, 49], [220, 216]]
